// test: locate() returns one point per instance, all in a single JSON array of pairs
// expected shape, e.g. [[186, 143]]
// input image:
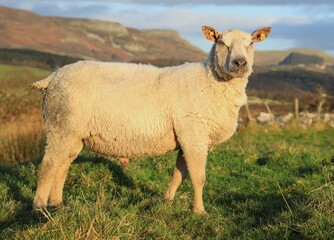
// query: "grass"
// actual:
[[16, 79], [21, 147], [6, 70], [276, 185], [16, 97]]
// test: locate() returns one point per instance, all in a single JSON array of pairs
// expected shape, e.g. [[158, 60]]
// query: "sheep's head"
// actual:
[[233, 52]]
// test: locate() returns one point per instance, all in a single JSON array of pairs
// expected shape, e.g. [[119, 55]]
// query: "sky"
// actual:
[[295, 23]]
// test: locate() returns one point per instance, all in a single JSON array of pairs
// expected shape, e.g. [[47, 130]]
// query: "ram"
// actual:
[[130, 110]]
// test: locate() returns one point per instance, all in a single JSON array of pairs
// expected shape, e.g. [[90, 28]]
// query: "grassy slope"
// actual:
[[259, 186], [16, 97], [17, 79]]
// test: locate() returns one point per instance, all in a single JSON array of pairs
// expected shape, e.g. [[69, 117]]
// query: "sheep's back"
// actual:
[[118, 109]]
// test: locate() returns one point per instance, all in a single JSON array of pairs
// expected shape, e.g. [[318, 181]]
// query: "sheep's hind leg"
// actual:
[[56, 193], [57, 151], [180, 173]]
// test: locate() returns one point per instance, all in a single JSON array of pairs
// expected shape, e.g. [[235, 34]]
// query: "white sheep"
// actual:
[[131, 110]]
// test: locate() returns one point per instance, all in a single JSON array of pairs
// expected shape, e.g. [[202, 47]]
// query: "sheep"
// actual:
[[265, 118], [130, 110], [284, 119]]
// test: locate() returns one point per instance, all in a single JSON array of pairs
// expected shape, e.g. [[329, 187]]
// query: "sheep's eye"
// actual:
[[251, 44]]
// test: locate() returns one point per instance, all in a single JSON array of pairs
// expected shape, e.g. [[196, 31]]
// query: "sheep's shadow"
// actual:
[[117, 172], [120, 178], [24, 217], [16, 182]]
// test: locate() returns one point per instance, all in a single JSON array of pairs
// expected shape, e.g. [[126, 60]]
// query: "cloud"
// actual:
[[315, 34], [183, 19], [228, 2], [187, 2], [310, 24], [88, 10]]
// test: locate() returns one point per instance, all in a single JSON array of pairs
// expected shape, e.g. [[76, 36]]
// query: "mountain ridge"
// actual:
[[274, 57], [92, 39]]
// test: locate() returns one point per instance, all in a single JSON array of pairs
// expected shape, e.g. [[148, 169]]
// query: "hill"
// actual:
[[17, 100], [286, 84], [85, 38], [266, 58], [299, 58]]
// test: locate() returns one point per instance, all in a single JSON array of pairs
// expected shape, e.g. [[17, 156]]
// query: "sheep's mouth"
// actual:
[[239, 72]]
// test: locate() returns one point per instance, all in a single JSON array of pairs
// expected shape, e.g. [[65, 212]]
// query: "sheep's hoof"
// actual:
[[55, 203], [200, 212], [169, 199], [38, 205]]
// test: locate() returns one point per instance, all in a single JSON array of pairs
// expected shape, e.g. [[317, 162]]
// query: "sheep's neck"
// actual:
[[232, 90], [219, 75], [223, 84], [214, 70]]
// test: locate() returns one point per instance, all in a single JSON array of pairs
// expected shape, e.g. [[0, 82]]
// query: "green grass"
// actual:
[[5, 69], [259, 186]]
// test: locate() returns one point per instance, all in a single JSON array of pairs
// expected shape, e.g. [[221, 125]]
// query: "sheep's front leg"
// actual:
[[196, 162], [194, 142], [180, 173]]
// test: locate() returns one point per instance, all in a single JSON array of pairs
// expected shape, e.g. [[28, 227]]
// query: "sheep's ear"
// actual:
[[210, 33], [261, 34]]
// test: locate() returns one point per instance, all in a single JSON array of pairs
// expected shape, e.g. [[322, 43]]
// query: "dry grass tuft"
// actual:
[[21, 141]]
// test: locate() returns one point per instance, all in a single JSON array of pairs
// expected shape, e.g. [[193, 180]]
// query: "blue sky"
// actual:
[[308, 23]]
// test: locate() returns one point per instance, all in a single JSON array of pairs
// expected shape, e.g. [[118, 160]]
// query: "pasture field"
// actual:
[[274, 185], [16, 79]]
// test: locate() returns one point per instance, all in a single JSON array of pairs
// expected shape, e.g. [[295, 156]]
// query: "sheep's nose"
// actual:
[[240, 62]]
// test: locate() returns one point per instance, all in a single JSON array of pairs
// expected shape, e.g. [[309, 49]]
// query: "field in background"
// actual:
[[17, 100], [20, 114], [264, 183]]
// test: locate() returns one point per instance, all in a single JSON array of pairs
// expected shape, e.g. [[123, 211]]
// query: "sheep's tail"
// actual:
[[42, 84]]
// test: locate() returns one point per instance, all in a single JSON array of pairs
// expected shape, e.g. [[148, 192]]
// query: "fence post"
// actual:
[[268, 109], [250, 119], [319, 107], [297, 109]]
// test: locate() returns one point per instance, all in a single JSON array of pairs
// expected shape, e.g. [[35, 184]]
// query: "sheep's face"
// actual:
[[233, 51]]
